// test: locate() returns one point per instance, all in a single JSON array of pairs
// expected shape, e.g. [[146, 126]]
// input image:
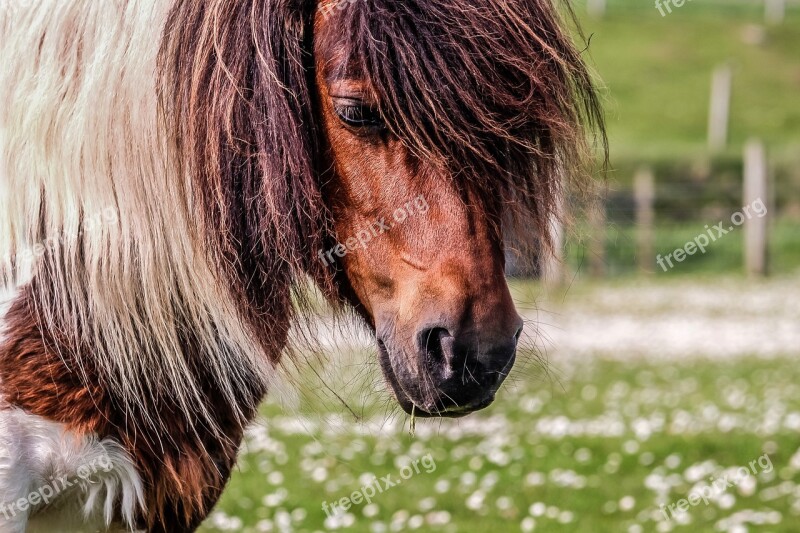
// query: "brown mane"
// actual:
[[235, 90]]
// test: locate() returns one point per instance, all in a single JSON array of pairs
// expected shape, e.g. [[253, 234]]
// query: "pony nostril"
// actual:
[[436, 346]]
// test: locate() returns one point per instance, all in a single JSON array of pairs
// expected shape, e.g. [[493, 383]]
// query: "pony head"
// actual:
[[386, 149]]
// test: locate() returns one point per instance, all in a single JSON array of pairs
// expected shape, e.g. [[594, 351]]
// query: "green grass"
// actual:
[[723, 255], [586, 451], [657, 72]]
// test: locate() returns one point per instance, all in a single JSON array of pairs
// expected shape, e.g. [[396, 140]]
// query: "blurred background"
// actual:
[[643, 390]]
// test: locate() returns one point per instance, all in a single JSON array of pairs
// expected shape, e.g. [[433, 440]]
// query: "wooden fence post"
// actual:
[[644, 191], [552, 268], [597, 238], [774, 11], [756, 199], [719, 109], [596, 8]]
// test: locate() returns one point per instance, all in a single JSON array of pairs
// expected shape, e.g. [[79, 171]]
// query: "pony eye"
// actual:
[[359, 115]]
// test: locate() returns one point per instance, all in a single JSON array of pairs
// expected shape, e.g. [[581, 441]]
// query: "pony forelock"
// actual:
[[494, 92]]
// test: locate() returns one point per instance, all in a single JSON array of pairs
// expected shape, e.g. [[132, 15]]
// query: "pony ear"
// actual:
[[236, 89]]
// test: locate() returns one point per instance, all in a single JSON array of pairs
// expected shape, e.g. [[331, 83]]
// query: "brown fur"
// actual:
[[184, 471]]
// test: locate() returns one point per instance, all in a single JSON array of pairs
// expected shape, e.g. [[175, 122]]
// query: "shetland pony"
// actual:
[[169, 174]]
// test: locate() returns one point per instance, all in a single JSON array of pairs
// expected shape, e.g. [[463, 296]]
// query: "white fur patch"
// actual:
[[93, 197], [6, 297], [52, 480]]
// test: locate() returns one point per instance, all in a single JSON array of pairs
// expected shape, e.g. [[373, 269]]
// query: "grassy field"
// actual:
[[657, 72], [585, 443], [657, 75]]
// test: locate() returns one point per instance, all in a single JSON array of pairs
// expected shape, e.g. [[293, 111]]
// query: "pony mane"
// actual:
[[236, 89]]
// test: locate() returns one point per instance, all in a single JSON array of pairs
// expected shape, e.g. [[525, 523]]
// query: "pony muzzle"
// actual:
[[448, 373]]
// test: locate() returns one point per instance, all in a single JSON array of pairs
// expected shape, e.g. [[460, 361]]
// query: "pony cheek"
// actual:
[[371, 281]]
